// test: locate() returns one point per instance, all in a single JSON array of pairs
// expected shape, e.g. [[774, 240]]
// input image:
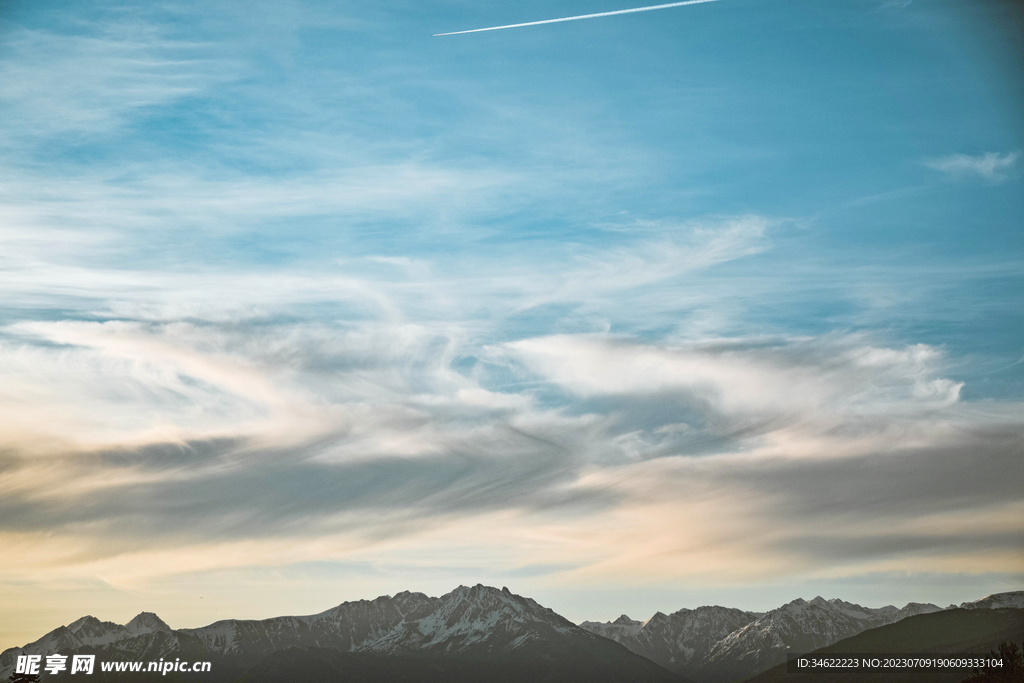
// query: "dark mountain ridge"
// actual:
[[470, 634], [719, 645], [952, 631], [481, 633]]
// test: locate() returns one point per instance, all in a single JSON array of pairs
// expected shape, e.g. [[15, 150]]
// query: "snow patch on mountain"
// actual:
[[679, 641], [707, 643], [88, 631], [801, 626], [477, 617], [1010, 600]]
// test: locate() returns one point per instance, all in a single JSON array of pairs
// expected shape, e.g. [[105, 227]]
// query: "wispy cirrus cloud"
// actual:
[[682, 249], [91, 82], [991, 166], [894, 5]]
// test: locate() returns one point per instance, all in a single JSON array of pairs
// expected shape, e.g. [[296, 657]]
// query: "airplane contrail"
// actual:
[[582, 16]]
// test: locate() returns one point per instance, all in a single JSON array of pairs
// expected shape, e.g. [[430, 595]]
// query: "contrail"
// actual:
[[582, 16]]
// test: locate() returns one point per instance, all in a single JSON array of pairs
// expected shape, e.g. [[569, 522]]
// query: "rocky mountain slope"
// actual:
[[1012, 600], [954, 631], [82, 633], [680, 641], [800, 626], [470, 632], [718, 645], [482, 633]]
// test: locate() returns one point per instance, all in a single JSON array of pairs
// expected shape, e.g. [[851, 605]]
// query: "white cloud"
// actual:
[[990, 166], [894, 5], [56, 83], [795, 378]]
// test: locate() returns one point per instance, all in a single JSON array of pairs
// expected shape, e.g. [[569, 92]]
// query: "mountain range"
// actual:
[[681, 641], [974, 630], [470, 634], [479, 633], [717, 644]]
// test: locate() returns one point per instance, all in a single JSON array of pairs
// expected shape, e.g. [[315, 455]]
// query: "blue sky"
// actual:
[[718, 303]]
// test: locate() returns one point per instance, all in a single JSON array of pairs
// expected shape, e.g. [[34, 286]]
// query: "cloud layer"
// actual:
[[827, 452]]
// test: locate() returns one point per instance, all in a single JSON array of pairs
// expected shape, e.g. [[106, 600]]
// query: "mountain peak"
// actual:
[[486, 596], [91, 631], [791, 606], [656, 618], [146, 622], [87, 620], [478, 589]]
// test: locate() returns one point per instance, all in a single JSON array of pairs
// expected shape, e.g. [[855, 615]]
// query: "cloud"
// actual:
[[884, 508], [93, 81], [767, 377], [685, 249], [183, 201], [268, 303], [341, 443], [366, 403], [894, 5], [990, 166]]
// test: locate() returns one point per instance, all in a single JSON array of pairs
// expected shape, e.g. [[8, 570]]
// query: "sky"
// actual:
[[714, 304]]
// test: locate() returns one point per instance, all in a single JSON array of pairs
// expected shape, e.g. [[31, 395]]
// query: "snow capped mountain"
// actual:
[[1011, 600], [799, 626], [481, 619], [722, 644], [145, 622], [349, 627], [91, 631], [482, 623], [477, 618], [912, 609], [680, 641], [481, 626], [85, 632], [619, 630]]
